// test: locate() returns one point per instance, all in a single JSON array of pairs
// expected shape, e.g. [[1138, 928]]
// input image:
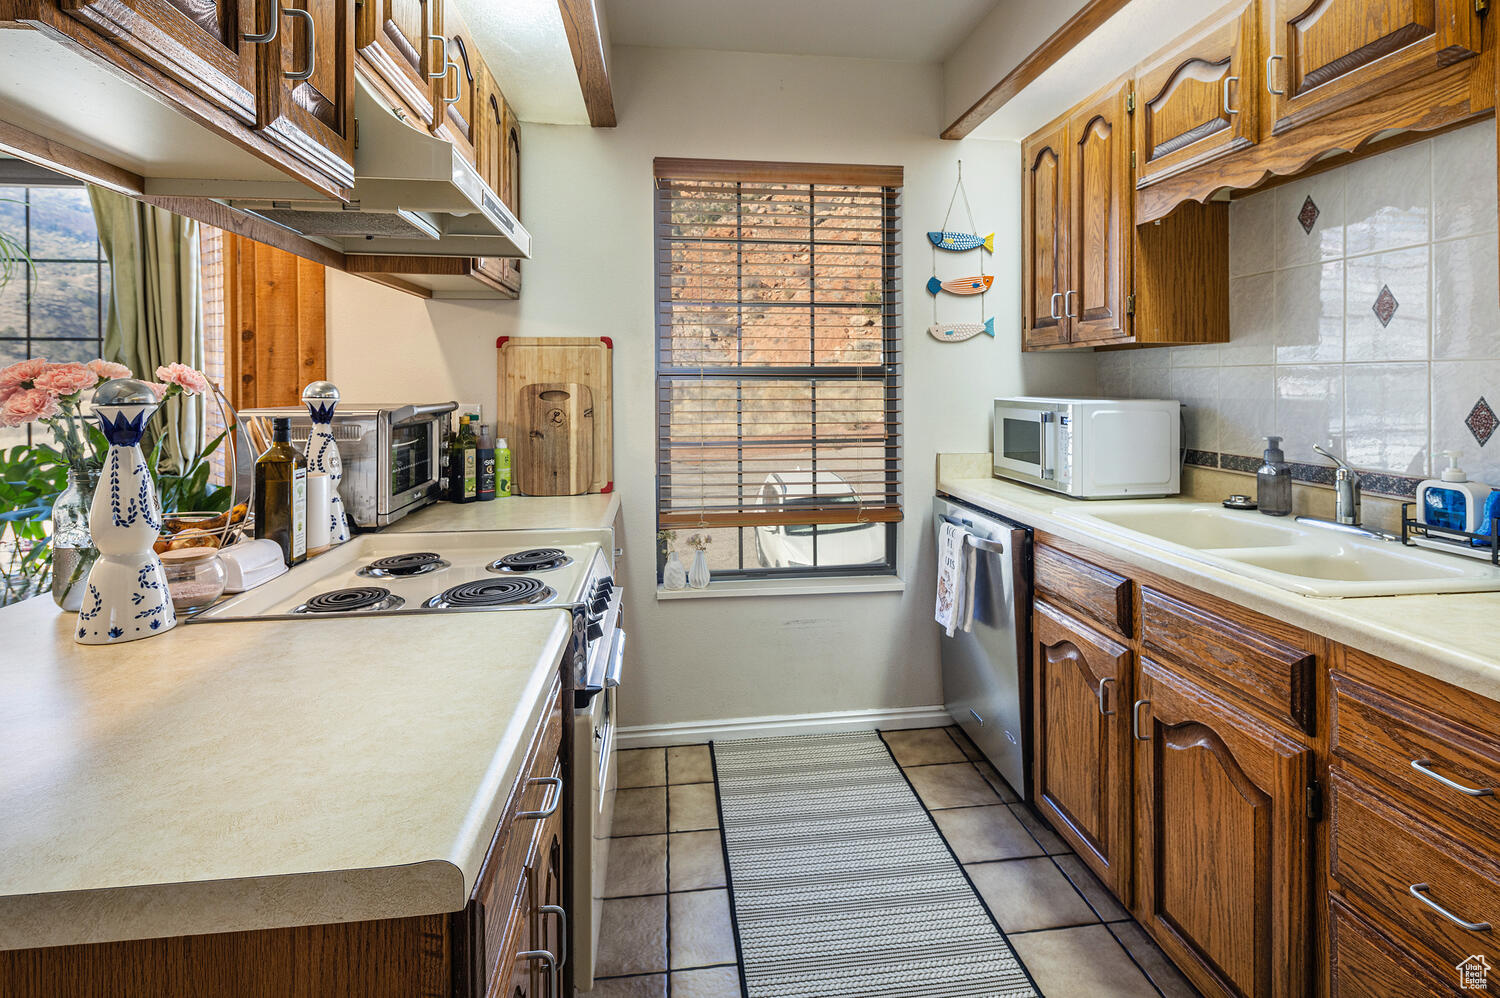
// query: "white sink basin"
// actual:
[[1302, 558]]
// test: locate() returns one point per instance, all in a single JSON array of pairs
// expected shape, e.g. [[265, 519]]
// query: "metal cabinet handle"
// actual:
[[458, 82], [616, 663], [1269, 88], [1067, 298], [442, 60], [562, 930], [269, 36], [312, 44], [1103, 684], [551, 961], [1227, 81], [1135, 720], [1419, 891], [547, 809], [1055, 295], [1424, 766]]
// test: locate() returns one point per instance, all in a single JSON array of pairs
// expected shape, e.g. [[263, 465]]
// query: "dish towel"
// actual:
[[955, 584]]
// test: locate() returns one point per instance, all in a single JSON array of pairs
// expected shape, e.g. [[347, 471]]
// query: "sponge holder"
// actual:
[[1449, 539]]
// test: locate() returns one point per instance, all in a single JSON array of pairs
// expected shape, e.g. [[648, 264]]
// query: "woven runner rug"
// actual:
[[842, 886]]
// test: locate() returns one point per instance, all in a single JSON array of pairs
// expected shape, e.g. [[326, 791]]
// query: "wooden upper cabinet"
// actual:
[[307, 89], [395, 41], [1202, 99], [200, 43], [1044, 210], [1323, 55], [1098, 239], [1081, 732], [1225, 863], [458, 100]]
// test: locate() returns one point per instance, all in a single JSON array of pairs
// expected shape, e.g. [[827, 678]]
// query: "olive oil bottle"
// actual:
[[463, 463], [281, 494]]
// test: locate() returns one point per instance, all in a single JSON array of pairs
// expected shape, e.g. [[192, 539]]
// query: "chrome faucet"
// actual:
[[1346, 484]]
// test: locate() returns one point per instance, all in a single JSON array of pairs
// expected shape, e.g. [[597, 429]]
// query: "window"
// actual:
[[778, 374], [215, 361], [56, 308]]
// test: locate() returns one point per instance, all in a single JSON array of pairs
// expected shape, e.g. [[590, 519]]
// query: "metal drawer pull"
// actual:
[[562, 930], [269, 36], [1418, 891], [312, 44], [1067, 298], [1271, 89], [551, 962], [1423, 766], [1102, 684], [549, 809], [1135, 720], [1053, 304], [984, 544], [616, 663], [1227, 81], [442, 62], [458, 82]]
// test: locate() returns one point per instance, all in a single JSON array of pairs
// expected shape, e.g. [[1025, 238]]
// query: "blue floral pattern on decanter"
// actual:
[[126, 595], [321, 398]]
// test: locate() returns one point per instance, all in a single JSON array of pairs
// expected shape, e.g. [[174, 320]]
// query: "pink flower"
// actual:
[[191, 381], [108, 370], [22, 371], [28, 405], [159, 388], [65, 379]]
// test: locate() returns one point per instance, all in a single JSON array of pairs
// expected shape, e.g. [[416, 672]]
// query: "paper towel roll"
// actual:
[[319, 513]]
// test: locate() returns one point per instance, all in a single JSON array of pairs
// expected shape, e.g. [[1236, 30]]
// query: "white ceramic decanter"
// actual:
[[126, 596], [321, 398]]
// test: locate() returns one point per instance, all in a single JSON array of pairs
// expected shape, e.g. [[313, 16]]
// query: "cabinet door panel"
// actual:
[[1331, 53], [1225, 847], [1201, 102], [459, 98], [199, 43], [393, 42], [1044, 204], [313, 117], [1081, 759], [1098, 192]]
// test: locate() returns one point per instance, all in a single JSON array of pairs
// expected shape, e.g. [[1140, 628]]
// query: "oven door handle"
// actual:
[[616, 662]]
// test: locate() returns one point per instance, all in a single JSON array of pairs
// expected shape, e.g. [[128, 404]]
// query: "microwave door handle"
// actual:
[[1048, 472]]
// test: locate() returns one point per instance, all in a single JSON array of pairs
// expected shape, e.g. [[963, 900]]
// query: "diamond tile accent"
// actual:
[[1482, 421], [1308, 215], [1385, 305]]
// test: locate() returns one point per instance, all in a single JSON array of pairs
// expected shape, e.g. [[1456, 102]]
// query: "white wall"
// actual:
[[588, 202], [1008, 34]]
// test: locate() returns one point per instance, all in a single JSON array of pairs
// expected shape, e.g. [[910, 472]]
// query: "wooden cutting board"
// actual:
[[538, 360], [555, 455]]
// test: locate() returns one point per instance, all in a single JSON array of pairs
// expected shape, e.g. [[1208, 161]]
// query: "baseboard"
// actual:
[[693, 732]]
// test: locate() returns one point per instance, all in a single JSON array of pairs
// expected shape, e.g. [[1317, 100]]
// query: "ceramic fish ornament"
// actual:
[[957, 332], [961, 242], [961, 285]]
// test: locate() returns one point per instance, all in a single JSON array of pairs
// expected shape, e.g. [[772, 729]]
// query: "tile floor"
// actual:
[[668, 932]]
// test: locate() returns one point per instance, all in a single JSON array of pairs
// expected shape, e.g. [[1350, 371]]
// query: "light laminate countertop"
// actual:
[[587, 512], [1451, 637], [252, 775]]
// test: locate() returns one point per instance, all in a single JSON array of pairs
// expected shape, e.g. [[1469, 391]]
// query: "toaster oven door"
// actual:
[[1026, 443], [413, 462]]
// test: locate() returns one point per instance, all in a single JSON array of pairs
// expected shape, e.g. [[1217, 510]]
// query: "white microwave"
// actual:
[[1091, 448]]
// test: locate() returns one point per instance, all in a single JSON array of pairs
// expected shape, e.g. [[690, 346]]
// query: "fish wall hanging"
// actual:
[[975, 287]]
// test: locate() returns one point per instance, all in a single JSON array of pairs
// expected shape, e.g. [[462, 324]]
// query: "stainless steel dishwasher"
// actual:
[[986, 678]]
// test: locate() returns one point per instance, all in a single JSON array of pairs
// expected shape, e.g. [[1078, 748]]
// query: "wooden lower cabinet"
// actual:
[[1224, 838], [1082, 758], [1367, 964]]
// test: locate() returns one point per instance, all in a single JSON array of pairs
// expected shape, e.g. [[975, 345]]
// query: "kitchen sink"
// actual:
[[1301, 557]]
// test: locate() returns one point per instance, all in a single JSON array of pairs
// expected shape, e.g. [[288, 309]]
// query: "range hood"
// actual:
[[414, 195]]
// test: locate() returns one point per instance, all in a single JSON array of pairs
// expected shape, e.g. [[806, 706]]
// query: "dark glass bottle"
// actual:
[[281, 494], [486, 459], [463, 463]]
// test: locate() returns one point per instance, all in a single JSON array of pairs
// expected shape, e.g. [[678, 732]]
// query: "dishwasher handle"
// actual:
[[974, 540]]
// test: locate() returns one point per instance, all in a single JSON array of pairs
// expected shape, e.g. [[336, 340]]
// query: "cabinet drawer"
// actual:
[[1405, 870], [1265, 673], [1368, 965], [1436, 762], [1098, 592]]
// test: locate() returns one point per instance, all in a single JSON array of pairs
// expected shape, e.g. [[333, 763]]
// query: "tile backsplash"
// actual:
[[1364, 315]]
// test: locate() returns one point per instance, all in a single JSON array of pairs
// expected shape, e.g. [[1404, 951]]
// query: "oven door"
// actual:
[[413, 464], [593, 808], [1026, 443]]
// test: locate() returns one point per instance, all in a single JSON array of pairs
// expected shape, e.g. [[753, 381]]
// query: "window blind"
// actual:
[[778, 386]]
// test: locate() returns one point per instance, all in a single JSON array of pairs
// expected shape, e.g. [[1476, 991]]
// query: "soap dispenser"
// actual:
[[1273, 481], [1452, 501]]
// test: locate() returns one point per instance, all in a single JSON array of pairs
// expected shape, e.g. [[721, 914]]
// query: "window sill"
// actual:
[[789, 587]]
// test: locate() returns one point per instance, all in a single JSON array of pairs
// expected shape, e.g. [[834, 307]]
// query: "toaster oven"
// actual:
[[392, 454], [1090, 448]]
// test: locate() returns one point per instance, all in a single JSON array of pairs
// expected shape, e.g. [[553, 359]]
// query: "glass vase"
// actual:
[[73, 551]]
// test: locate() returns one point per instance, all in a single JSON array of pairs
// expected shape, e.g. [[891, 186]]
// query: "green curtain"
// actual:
[[155, 304]]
